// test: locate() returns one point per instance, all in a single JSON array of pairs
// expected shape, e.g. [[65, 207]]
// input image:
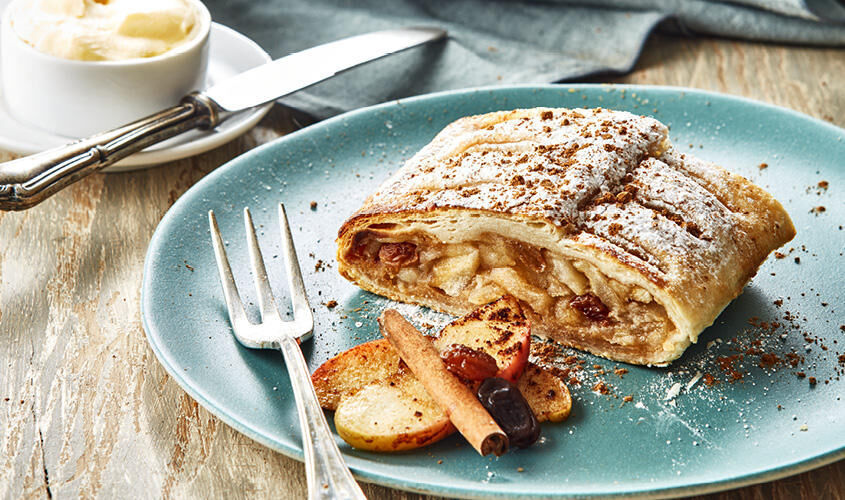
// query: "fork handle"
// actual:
[[327, 474]]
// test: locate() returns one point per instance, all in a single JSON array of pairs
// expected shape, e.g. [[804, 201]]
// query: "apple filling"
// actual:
[[581, 306]]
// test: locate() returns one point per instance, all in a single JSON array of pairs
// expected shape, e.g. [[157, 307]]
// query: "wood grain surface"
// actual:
[[87, 411]]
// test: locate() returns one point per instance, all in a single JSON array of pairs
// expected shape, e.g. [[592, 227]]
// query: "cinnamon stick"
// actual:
[[455, 398]]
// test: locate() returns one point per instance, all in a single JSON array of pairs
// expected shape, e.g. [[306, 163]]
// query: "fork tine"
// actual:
[[237, 315], [301, 309], [262, 283]]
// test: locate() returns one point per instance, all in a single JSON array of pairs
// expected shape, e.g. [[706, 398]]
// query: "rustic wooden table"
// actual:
[[85, 407]]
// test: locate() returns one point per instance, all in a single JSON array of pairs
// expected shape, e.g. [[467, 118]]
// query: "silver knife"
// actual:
[[27, 181]]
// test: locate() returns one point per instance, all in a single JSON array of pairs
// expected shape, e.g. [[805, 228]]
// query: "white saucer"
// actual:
[[230, 53]]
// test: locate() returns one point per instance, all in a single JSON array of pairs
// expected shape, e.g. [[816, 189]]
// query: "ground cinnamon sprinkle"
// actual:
[[561, 374], [768, 360], [709, 380], [727, 364], [794, 359], [601, 387]]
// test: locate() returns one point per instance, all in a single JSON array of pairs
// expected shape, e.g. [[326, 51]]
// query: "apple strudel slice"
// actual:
[[614, 241]]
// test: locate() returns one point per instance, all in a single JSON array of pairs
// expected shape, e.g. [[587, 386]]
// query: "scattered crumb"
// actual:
[[313, 205], [673, 391], [694, 380], [520, 469], [331, 304], [763, 166], [817, 210]]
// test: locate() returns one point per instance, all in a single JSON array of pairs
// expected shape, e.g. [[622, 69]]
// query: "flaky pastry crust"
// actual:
[[616, 242]]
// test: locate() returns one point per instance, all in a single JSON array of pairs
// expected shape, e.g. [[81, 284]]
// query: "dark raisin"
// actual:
[[468, 363], [398, 254], [590, 306], [509, 409], [362, 247]]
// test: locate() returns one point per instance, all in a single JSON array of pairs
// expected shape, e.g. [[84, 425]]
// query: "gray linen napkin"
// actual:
[[499, 42]]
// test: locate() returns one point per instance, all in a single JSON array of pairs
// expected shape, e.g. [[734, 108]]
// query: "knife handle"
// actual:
[[28, 181]]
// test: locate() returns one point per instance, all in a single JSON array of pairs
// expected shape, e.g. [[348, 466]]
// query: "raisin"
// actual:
[[509, 409], [468, 363], [398, 254], [590, 306], [362, 247]]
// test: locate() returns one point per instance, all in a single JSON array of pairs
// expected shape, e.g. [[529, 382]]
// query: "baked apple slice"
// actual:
[[352, 370], [500, 329], [391, 415], [547, 395]]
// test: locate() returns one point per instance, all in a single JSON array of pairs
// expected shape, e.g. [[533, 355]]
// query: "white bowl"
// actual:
[[81, 98]]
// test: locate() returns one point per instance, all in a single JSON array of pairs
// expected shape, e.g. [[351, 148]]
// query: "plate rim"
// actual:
[[370, 476]]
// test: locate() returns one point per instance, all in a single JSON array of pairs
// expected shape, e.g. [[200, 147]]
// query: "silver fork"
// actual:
[[326, 472]]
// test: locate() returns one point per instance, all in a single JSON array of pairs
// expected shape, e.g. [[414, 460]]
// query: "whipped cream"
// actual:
[[105, 30]]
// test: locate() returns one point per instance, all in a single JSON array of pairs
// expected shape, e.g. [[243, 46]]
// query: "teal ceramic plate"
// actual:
[[757, 419]]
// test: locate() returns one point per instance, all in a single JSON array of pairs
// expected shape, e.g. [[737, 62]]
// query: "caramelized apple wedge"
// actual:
[[352, 370], [547, 395], [391, 415], [500, 329]]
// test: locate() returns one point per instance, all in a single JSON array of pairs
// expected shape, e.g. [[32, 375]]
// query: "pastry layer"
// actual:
[[615, 242]]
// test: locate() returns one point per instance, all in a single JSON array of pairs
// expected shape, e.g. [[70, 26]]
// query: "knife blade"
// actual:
[[300, 70], [25, 182]]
